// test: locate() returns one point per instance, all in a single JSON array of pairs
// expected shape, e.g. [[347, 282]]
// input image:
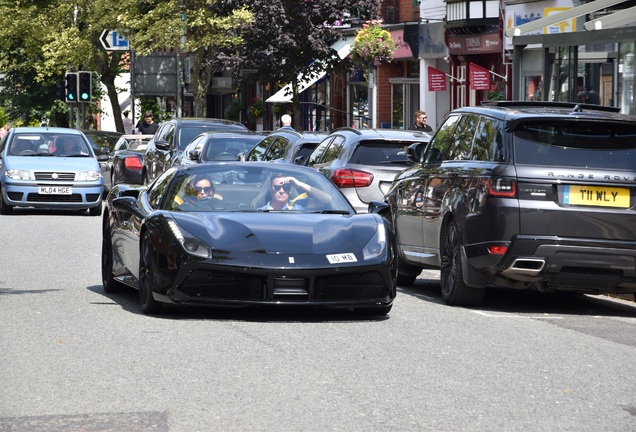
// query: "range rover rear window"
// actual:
[[602, 145]]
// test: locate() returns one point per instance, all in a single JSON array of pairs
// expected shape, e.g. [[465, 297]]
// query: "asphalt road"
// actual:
[[75, 359]]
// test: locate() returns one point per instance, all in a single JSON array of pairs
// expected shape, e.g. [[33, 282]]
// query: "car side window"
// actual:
[[488, 145], [278, 148], [256, 154], [437, 150], [159, 188], [462, 141], [334, 150], [316, 155]]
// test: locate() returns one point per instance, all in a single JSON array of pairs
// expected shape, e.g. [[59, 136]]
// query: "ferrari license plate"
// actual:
[[596, 196], [55, 190], [341, 258]]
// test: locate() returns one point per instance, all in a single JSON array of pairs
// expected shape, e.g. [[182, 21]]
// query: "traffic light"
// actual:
[[70, 87], [85, 86]]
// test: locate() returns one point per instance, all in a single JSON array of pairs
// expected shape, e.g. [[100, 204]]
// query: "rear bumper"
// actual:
[[557, 263]]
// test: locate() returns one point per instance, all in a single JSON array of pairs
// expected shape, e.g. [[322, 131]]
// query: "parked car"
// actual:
[[232, 249], [126, 160], [285, 146], [172, 138], [523, 195], [364, 162], [217, 146], [46, 167]]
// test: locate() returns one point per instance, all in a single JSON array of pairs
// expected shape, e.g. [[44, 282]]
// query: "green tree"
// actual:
[[199, 27], [291, 37]]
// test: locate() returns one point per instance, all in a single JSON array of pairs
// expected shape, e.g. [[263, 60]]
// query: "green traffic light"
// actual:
[[85, 96]]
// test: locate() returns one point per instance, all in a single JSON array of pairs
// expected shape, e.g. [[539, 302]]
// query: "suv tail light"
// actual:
[[132, 163], [350, 178], [501, 187]]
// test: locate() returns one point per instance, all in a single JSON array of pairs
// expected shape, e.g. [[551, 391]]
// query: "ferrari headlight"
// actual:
[[88, 176], [376, 245], [15, 174], [190, 243]]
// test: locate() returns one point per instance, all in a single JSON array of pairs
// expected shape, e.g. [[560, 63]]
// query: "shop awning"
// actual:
[[284, 95]]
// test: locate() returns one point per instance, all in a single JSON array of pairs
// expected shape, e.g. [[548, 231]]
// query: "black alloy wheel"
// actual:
[[110, 284], [454, 291], [149, 305]]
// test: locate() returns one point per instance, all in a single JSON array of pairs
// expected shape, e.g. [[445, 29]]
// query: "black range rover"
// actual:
[[525, 195]]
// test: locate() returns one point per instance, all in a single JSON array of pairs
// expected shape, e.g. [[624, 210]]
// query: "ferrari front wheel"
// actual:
[[110, 284], [148, 303]]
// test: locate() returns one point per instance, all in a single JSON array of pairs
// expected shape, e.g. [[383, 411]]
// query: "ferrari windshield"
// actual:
[[259, 187]]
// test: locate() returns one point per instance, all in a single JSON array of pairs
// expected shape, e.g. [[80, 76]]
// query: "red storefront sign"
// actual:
[[479, 77], [436, 80]]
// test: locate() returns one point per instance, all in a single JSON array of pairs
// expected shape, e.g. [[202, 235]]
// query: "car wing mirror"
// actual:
[[162, 145], [415, 151], [379, 207]]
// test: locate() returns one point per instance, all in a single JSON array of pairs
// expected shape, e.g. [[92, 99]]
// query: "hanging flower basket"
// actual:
[[256, 109], [373, 45]]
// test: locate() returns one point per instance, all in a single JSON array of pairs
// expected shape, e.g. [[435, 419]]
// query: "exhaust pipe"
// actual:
[[525, 266]]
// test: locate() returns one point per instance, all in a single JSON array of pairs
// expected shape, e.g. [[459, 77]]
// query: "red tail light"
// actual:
[[133, 163], [350, 178], [501, 187], [497, 250]]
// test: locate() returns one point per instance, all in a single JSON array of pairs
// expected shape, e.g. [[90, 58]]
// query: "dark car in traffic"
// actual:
[[522, 195], [218, 146], [285, 146], [173, 136], [126, 160], [364, 162], [208, 235]]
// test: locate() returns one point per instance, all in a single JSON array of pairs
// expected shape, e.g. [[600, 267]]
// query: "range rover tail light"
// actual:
[[350, 178], [497, 250], [501, 187], [132, 163]]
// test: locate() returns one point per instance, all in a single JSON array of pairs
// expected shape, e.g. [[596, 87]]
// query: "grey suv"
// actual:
[[364, 162], [524, 195]]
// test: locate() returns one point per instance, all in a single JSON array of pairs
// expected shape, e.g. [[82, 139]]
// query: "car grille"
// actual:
[[226, 286], [15, 196], [74, 198], [230, 286], [55, 176]]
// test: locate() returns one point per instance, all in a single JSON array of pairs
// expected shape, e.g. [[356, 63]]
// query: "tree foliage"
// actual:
[[291, 37]]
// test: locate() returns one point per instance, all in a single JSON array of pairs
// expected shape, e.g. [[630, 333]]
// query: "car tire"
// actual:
[[95, 211], [149, 305], [375, 310], [454, 291], [109, 283], [5, 208]]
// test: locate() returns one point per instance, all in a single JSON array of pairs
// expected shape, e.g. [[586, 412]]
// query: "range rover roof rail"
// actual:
[[576, 107]]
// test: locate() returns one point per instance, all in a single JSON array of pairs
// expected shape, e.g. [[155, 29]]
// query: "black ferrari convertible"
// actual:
[[239, 234]]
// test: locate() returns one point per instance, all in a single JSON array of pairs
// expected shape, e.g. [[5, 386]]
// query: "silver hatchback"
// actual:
[[364, 162]]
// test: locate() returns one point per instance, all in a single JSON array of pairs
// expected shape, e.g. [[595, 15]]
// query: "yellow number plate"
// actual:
[[596, 196]]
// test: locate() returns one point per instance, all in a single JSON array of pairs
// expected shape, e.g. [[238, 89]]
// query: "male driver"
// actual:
[[280, 189]]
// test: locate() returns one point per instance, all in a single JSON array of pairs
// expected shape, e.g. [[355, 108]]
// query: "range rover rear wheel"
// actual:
[[454, 291]]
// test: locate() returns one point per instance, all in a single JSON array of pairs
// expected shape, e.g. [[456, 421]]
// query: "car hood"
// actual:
[[52, 163], [272, 233]]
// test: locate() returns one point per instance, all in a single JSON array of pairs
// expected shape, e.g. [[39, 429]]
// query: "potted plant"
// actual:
[[373, 45], [256, 109], [233, 111]]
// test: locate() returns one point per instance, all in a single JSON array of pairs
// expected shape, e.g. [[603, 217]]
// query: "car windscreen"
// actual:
[[229, 187], [585, 144], [380, 153], [49, 144]]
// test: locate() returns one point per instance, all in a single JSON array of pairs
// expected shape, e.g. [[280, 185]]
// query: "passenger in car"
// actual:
[[199, 187]]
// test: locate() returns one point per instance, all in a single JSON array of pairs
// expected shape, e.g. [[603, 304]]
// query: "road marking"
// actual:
[[514, 316]]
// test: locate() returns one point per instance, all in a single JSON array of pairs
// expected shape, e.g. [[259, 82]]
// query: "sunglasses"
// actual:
[[205, 189], [285, 187]]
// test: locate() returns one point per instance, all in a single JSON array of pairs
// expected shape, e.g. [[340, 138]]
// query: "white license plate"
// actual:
[[55, 190], [341, 258]]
